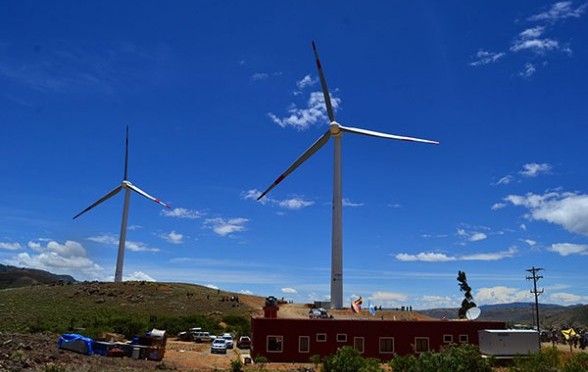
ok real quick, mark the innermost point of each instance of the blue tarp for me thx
(75, 342)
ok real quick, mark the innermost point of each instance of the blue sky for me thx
(220, 98)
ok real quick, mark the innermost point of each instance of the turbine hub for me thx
(335, 129)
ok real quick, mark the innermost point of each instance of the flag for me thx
(372, 309)
(568, 333)
(356, 305)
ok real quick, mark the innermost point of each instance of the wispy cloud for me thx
(10, 246)
(224, 227)
(130, 245)
(442, 257)
(173, 237)
(529, 170)
(289, 291)
(306, 81)
(302, 118)
(566, 249)
(349, 203)
(471, 236)
(528, 70)
(183, 213)
(258, 76)
(294, 203)
(558, 11)
(569, 210)
(484, 57)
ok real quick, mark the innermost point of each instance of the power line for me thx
(534, 270)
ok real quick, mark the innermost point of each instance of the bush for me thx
(546, 360)
(462, 358)
(236, 365)
(348, 359)
(578, 362)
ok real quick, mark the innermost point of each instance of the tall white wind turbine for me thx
(128, 186)
(336, 130)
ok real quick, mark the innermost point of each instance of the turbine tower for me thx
(336, 131)
(128, 186)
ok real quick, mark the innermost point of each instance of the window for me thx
(275, 344)
(321, 337)
(386, 345)
(341, 337)
(463, 339)
(448, 339)
(421, 344)
(303, 344)
(358, 344)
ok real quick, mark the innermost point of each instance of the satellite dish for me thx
(473, 313)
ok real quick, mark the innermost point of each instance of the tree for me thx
(468, 301)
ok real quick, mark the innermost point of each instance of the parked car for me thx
(227, 337)
(219, 345)
(244, 342)
(201, 336)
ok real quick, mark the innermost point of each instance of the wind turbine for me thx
(128, 186)
(336, 131)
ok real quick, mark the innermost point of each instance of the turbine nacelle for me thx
(335, 129)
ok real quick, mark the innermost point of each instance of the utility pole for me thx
(534, 270)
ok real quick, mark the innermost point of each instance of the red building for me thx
(296, 340)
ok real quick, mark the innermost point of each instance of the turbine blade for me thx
(330, 111)
(126, 154)
(105, 197)
(141, 192)
(308, 153)
(385, 135)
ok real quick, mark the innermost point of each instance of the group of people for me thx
(574, 337)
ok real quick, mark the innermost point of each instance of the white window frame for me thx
(422, 338)
(380, 345)
(464, 339)
(447, 339)
(341, 337)
(321, 335)
(300, 344)
(267, 341)
(355, 344)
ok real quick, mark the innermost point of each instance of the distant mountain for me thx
(523, 313)
(15, 277)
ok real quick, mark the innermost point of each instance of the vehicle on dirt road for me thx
(219, 345)
(244, 342)
(229, 339)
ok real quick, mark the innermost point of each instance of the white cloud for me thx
(497, 206)
(442, 257)
(211, 286)
(259, 76)
(182, 213)
(173, 237)
(10, 246)
(307, 81)
(426, 257)
(138, 276)
(529, 242)
(484, 57)
(295, 203)
(502, 295)
(534, 169)
(388, 296)
(130, 245)
(559, 10)
(532, 33)
(566, 249)
(538, 46)
(567, 298)
(431, 302)
(302, 118)
(569, 210)
(349, 203)
(528, 71)
(477, 237)
(68, 258)
(505, 180)
(289, 291)
(224, 227)
(246, 292)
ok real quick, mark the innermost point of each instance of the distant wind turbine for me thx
(336, 131)
(128, 186)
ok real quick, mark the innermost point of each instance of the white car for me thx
(229, 339)
(219, 345)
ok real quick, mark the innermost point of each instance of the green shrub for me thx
(578, 362)
(348, 359)
(547, 360)
(236, 365)
(462, 358)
